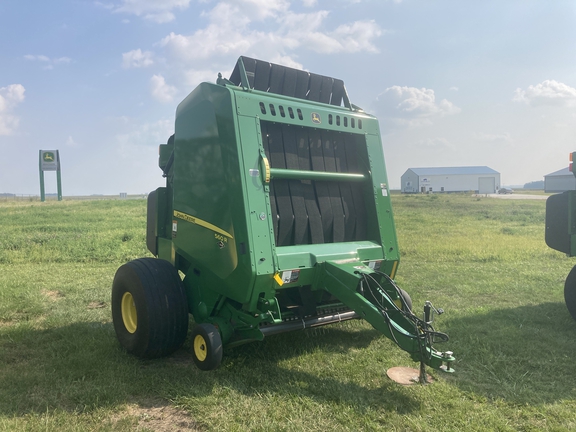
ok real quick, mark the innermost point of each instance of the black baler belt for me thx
(326, 90)
(301, 232)
(352, 145)
(287, 81)
(289, 86)
(338, 227)
(314, 88)
(276, 79)
(302, 82)
(262, 76)
(250, 67)
(346, 192)
(322, 192)
(281, 189)
(304, 163)
(337, 92)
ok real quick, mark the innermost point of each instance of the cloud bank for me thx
(548, 92)
(413, 107)
(10, 97)
(159, 11)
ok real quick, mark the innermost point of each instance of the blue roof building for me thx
(560, 181)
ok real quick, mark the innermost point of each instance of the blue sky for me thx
(453, 83)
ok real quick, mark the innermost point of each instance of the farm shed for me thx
(560, 181)
(480, 179)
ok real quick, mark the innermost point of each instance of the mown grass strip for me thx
(483, 260)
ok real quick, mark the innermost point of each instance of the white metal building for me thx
(479, 179)
(560, 181)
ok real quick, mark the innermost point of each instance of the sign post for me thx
(50, 161)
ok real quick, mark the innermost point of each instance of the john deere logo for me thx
(48, 157)
(316, 118)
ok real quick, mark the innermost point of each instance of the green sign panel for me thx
(50, 161)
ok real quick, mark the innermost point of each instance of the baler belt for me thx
(301, 232)
(281, 189)
(351, 143)
(314, 212)
(273, 78)
(304, 163)
(328, 139)
(346, 192)
(322, 192)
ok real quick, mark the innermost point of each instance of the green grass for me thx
(482, 260)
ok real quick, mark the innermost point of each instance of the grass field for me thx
(482, 260)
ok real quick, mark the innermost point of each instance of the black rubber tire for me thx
(206, 346)
(161, 307)
(570, 292)
(407, 303)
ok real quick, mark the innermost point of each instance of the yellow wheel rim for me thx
(200, 349)
(129, 315)
(398, 303)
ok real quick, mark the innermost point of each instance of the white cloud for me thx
(309, 3)
(130, 143)
(231, 31)
(160, 90)
(193, 77)
(286, 61)
(10, 96)
(70, 142)
(494, 138)
(262, 9)
(159, 11)
(357, 36)
(410, 106)
(548, 92)
(47, 61)
(137, 59)
(437, 143)
(37, 57)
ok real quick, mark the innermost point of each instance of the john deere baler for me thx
(276, 212)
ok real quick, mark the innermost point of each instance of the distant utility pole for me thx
(50, 161)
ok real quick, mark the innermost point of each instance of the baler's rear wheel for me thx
(570, 292)
(206, 346)
(149, 308)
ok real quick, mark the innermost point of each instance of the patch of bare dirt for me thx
(96, 305)
(53, 294)
(159, 416)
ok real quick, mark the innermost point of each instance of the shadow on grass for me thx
(81, 367)
(522, 355)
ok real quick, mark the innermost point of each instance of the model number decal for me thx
(202, 223)
(221, 238)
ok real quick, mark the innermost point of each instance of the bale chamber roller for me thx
(277, 212)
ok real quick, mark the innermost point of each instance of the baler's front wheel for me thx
(570, 292)
(206, 346)
(405, 303)
(149, 308)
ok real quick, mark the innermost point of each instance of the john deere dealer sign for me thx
(49, 160)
